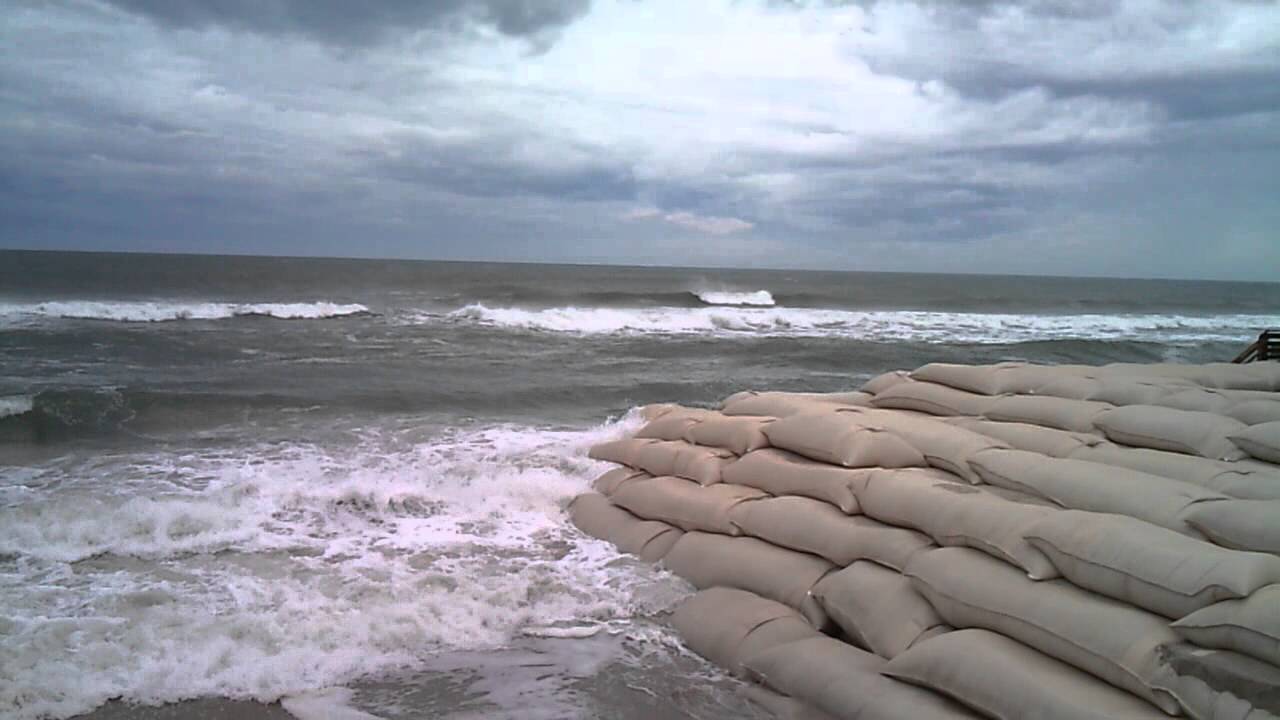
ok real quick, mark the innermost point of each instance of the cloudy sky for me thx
(1098, 137)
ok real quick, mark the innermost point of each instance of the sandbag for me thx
(1136, 391)
(1247, 625)
(1256, 412)
(931, 398)
(981, 379)
(716, 623)
(653, 411)
(739, 434)
(673, 424)
(812, 526)
(884, 381)
(707, 560)
(703, 465)
(594, 515)
(608, 483)
(779, 472)
(684, 503)
(1060, 413)
(1236, 479)
(781, 707)
(622, 451)
(1221, 685)
(1148, 566)
(1003, 679)
(1182, 431)
(845, 682)
(784, 404)
(839, 439)
(1032, 438)
(943, 445)
(1209, 399)
(1080, 485)
(879, 609)
(958, 514)
(1261, 441)
(1240, 524)
(1105, 638)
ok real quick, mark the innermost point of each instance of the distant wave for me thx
(759, 298)
(888, 326)
(131, 311)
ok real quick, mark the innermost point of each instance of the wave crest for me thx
(141, 311)
(876, 326)
(757, 298)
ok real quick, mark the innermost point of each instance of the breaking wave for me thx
(263, 572)
(11, 405)
(887, 326)
(141, 311)
(759, 298)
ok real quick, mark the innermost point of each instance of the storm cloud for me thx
(1121, 137)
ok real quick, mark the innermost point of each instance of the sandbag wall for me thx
(1005, 541)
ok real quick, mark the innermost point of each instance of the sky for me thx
(1135, 138)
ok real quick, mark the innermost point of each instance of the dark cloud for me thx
(359, 23)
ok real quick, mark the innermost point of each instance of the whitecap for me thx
(15, 405)
(164, 311)
(757, 298)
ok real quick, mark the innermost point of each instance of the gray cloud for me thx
(359, 23)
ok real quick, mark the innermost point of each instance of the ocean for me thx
(339, 484)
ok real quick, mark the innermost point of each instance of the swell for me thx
(168, 311)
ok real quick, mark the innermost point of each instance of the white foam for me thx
(15, 404)
(140, 311)
(272, 573)
(758, 298)
(887, 325)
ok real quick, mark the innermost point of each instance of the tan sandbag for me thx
(1261, 441)
(781, 707)
(879, 609)
(1256, 412)
(708, 560)
(840, 439)
(779, 472)
(1148, 566)
(740, 434)
(1221, 685)
(1209, 399)
(981, 379)
(817, 528)
(1257, 376)
(846, 683)
(1137, 391)
(1105, 638)
(1235, 479)
(1003, 679)
(673, 424)
(594, 515)
(1240, 524)
(1247, 625)
(784, 404)
(931, 398)
(884, 381)
(1182, 431)
(717, 621)
(955, 513)
(1060, 413)
(684, 503)
(608, 483)
(703, 465)
(653, 411)
(622, 451)
(1032, 438)
(1081, 485)
(943, 445)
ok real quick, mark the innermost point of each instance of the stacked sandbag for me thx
(999, 541)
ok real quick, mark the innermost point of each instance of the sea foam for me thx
(270, 573)
(15, 405)
(162, 311)
(887, 326)
(758, 298)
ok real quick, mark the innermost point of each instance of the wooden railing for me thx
(1266, 347)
